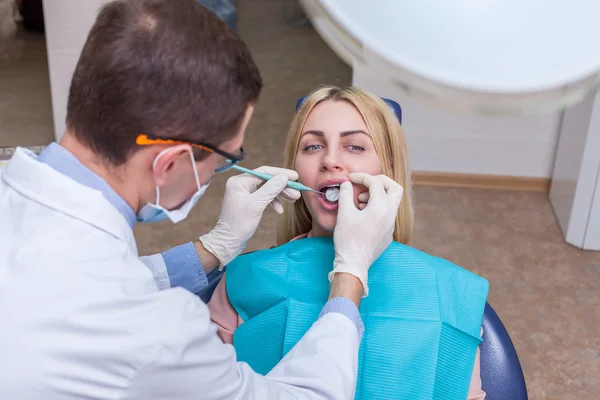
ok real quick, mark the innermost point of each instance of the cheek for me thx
(307, 173)
(204, 177)
(369, 164)
(205, 171)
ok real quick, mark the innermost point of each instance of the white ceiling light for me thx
(494, 57)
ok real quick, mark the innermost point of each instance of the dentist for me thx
(159, 102)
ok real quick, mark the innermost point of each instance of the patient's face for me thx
(334, 142)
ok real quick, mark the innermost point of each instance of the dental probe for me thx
(266, 177)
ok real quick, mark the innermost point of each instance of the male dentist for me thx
(159, 103)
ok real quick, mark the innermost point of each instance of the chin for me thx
(326, 221)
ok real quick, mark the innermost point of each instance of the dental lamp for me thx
(480, 57)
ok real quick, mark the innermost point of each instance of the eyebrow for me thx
(342, 134)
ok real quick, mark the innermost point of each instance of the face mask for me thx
(156, 213)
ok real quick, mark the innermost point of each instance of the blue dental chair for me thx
(501, 374)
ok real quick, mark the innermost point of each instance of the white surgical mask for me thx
(156, 213)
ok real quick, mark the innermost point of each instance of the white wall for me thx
(439, 141)
(67, 23)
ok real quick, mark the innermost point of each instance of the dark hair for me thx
(164, 67)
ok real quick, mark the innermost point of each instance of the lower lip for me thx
(327, 206)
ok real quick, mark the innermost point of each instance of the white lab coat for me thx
(82, 317)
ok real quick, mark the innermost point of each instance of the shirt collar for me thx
(67, 164)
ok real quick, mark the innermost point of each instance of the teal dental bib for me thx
(422, 316)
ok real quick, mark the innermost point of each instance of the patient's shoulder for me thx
(302, 236)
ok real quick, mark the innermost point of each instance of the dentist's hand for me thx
(246, 198)
(361, 236)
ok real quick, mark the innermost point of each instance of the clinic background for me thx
(544, 290)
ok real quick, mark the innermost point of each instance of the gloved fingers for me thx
(361, 178)
(245, 183)
(250, 183)
(290, 195)
(363, 200)
(276, 206)
(379, 185)
(392, 188)
(373, 183)
(270, 190)
(346, 199)
(286, 199)
(363, 197)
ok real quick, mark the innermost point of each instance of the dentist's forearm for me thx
(348, 286)
(209, 261)
(344, 298)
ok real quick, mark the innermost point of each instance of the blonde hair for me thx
(388, 141)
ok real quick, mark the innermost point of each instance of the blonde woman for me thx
(335, 132)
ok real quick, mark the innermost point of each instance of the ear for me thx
(166, 161)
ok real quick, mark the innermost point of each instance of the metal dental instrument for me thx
(266, 177)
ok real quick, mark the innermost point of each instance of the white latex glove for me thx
(361, 236)
(363, 200)
(246, 198)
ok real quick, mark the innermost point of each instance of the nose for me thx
(332, 160)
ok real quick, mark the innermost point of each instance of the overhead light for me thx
(484, 57)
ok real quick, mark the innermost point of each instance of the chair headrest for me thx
(395, 106)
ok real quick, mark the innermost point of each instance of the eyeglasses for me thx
(230, 159)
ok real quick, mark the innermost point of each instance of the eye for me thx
(356, 148)
(312, 147)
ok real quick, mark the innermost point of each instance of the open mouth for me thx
(330, 188)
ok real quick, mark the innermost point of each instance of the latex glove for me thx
(363, 200)
(246, 198)
(360, 236)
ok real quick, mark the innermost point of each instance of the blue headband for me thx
(395, 107)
